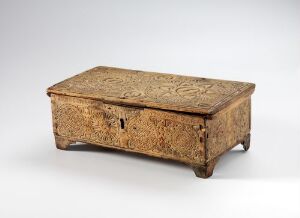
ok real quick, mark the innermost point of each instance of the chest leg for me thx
(205, 171)
(62, 143)
(246, 142)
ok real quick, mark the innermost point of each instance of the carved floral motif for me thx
(165, 90)
(209, 116)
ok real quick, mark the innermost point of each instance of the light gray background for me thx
(43, 42)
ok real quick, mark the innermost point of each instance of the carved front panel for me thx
(228, 128)
(154, 132)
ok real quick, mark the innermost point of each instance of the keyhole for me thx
(122, 123)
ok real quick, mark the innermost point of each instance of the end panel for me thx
(228, 127)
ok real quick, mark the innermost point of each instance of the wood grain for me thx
(155, 90)
(187, 119)
(157, 133)
(228, 128)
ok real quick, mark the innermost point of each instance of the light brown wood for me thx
(154, 90)
(228, 128)
(205, 170)
(63, 143)
(246, 142)
(188, 119)
(158, 133)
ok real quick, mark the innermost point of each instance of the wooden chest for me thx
(188, 119)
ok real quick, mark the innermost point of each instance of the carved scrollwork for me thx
(167, 90)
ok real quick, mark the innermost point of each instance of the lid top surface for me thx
(155, 90)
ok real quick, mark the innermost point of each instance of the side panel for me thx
(228, 128)
(154, 132)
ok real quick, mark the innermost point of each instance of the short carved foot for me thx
(62, 142)
(205, 171)
(246, 142)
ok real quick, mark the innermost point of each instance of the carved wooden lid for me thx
(155, 90)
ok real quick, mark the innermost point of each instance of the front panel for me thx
(154, 132)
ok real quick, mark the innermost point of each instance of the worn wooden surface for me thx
(110, 107)
(157, 133)
(228, 128)
(155, 90)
